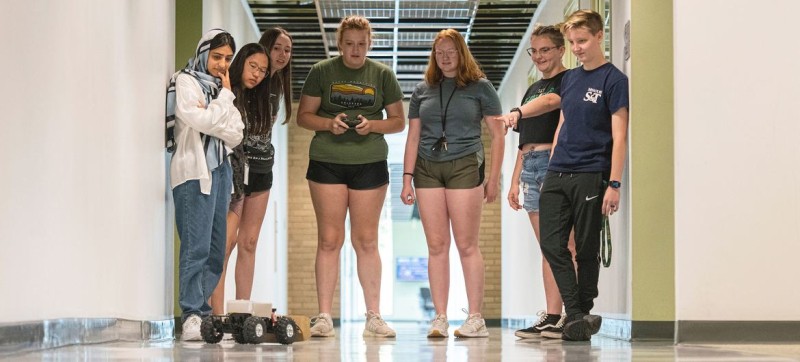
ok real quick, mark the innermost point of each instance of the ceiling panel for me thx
(403, 31)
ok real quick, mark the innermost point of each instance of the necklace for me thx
(441, 143)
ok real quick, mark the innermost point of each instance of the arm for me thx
(513, 192)
(307, 117)
(394, 122)
(220, 118)
(410, 160)
(496, 131)
(619, 135)
(536, 107)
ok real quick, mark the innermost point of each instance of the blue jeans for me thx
(202, 228)
(534, 167)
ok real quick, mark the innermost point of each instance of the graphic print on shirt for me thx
(352, 95)
(592, 95)
(540, 92)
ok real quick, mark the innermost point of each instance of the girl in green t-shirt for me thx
(343, 100)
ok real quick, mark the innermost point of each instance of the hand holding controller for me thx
(351, 123)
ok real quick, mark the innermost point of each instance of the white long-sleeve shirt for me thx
(220, 119)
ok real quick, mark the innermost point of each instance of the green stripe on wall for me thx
(188, 30)
(652, 162)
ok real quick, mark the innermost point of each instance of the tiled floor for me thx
(411, 345)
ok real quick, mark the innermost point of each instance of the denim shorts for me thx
(534, 168)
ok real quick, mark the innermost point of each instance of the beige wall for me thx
(736, 161)
(302, 248)
(83, 217)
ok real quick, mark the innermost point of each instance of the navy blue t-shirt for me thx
(588, 99)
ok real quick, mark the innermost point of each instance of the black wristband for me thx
(408, 173)
(516, 109)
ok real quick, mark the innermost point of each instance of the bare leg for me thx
(330, 207)
(465, 212)
(436, 223)
(255, 206)
(217, 299)
(365, 212)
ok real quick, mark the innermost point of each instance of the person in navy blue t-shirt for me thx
(582, 182)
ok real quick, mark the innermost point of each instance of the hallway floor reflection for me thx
(412, 345)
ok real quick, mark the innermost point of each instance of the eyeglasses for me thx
(254, 68)
(541, 51)
(449, 53)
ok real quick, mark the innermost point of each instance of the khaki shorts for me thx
(463, 173)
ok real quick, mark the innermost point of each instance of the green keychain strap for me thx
(605, 243)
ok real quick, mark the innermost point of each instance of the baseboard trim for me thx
(737, 331)
(38, 335)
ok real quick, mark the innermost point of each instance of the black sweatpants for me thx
(573, 200)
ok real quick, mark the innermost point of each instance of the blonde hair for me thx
(353, 22)
(552, 32)
(468, 69)
(588, 19)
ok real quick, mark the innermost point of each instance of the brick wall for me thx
(302, 236)
(489, 240)
(302, 233)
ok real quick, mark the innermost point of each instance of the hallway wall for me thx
(83, 219)
(736, 161)
(523, 294)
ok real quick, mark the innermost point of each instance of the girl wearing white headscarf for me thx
(206, 126)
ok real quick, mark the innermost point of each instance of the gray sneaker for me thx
(191, 329)
(322, 326)
(595, 321)
(473, 327)
(377, 327)
(439, 327)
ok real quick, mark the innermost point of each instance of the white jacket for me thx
(220, 119)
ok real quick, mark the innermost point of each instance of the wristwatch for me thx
(615, 184)
(516, 109)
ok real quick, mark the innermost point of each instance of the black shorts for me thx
(364, 176)
(258, 182)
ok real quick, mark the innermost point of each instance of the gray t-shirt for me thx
(466, 108)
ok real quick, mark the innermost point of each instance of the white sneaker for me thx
(439, 327)
(473, 327)
(191, 329)
(377, 327)
(322, 326)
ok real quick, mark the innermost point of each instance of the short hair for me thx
(468, 69)
(353, 22)
(588, 19)
(552, 32)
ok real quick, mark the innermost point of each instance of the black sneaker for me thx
(554, 332)
(595, 321)
(577, 329)
(545, 322)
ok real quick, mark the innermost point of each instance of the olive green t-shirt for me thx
(365, 91)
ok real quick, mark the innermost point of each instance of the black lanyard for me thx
(441, 144)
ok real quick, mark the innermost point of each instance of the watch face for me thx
(614, 184)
